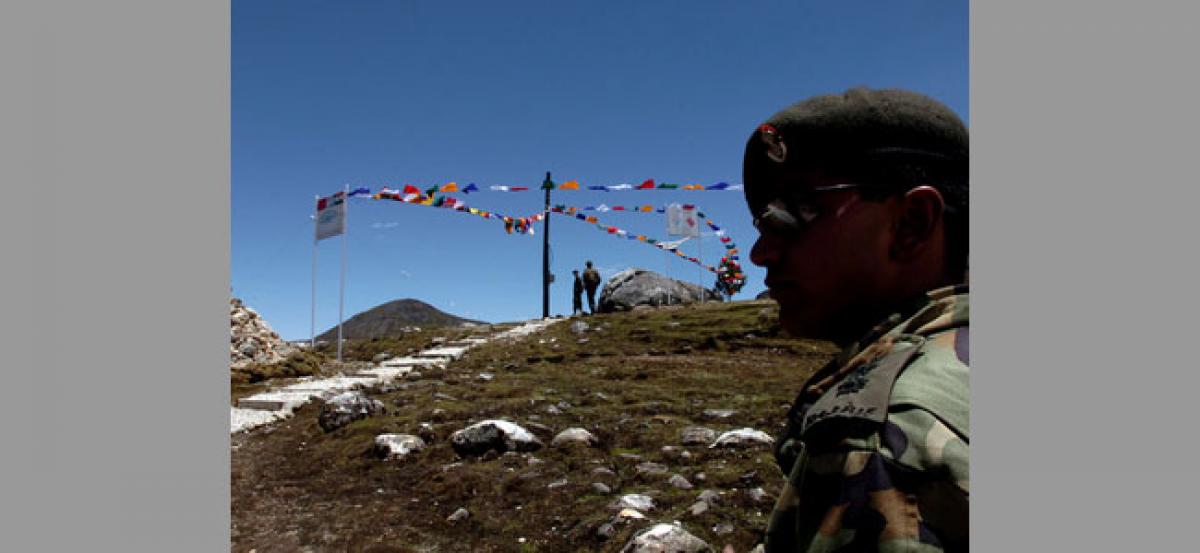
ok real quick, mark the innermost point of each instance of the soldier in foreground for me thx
(860, 200)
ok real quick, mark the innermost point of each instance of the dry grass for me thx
(637, 380)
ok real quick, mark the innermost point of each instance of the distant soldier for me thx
(860, 200)
(591, 280)
(577, 295)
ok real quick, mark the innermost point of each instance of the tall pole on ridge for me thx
(547, 185)
(342, 286)
(312, 322)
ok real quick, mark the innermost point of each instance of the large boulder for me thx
(499, 435)
(346, 408)
(633, 287)
(663, 538)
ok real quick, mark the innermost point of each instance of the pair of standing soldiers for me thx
(590, 282)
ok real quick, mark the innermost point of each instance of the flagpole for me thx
(700, 265)
(342, 283)
(312, 321)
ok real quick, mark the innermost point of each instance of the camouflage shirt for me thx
(876, 445)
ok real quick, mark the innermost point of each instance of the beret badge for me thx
(776, 149)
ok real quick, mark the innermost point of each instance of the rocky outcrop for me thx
(633, 287)
(251, 339)
(346, 408)
(498, 435)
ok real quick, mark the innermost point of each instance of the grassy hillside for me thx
(633, 379)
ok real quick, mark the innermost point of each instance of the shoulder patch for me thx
(862, 396)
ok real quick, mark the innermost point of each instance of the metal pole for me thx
(312, 326)
(342, 285)
(547, 185)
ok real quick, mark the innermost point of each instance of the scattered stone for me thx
(719, 413)
(709, 496)
(633, 501)
(679, 482)
(460, 514)
(700, 477)
(723, 528)
(413, 375)
(346, 408)
(426, 432)
(557, 484)
(650, 469)
(601, 488)
(750, 478)
(631, 514)
(579, 327)
(698, 508)
(675, 453)
(510, 366)
(697, 435)
(630, 456)
(603, 471)
(743, 438)
(381, 357)
(758, 495)
(552, 410)
(533, 461)
(666, 537)
(606, 531)
(564, 405)
(440, 395)
(493, 435)
(583, 341)
(600, 396)
(575, 436)
(486, 377)
(396, 446)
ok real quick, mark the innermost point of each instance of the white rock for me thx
(743, 438)
(395, 446)
(575, 436)
(662, 538)
(495, 434)
(634, 501)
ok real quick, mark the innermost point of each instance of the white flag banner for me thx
(682, 220)
(673, 245)
(331, 216)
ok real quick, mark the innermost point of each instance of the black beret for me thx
(848, 133)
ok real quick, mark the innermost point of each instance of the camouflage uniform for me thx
(876, 445)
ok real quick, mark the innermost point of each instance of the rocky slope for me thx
(637, 431)
(251, 339)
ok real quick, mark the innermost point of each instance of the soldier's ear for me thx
(919, 215)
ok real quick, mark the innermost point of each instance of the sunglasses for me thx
(793, 215)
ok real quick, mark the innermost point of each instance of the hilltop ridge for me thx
(393, 319)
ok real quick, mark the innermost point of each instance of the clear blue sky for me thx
(386, 93)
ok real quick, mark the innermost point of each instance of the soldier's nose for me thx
(765, 251)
